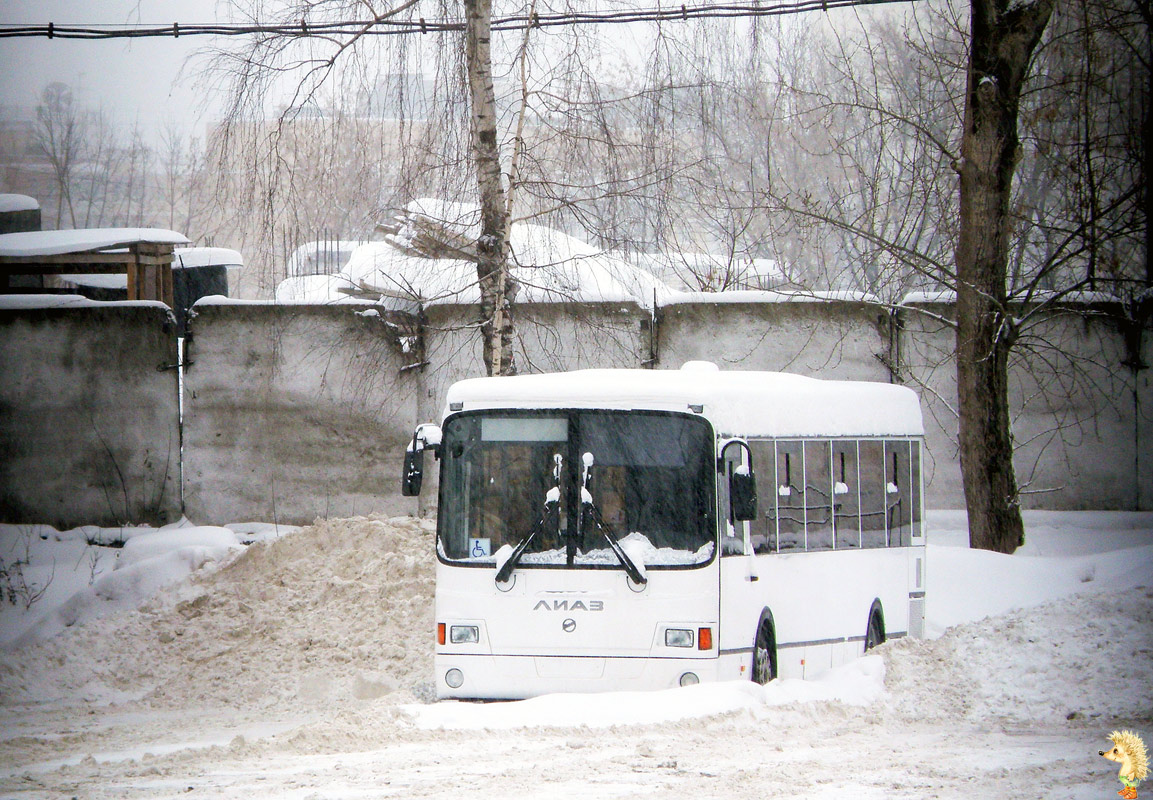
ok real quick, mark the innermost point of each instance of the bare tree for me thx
(325, 69)
(885, 121)
(59, 132)
(492, 247)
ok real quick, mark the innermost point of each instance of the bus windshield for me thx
(646, 480)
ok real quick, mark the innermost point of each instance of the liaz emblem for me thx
(569, 605)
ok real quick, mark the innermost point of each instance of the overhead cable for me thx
(396, 27)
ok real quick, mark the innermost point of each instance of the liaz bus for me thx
(636, 529)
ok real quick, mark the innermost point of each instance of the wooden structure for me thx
(143, 254)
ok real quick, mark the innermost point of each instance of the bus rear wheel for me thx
(764, 654)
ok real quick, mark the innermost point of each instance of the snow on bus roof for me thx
(737, 403)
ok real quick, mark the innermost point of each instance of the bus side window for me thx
(915, 487)
(846, 495)
(764, 528)
(871, 463)
(898, 500)
(790, 492)
(818, 496)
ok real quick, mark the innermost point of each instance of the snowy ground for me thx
(186, 664)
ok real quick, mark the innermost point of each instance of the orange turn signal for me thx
(705, 639)
(440, 633)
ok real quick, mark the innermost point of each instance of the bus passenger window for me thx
(915, 487)
(871, 464)
(818, 497)
(790, 492)
(764, 529)
(846, 500)
(898, 501)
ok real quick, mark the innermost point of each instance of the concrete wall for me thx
(89, 429)
(551, 337)
(298, 412)
(1081, 418)
(294, 412)
(844, 340)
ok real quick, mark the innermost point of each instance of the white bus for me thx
(633, 529)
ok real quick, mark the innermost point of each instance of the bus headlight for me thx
(678, 637)
(455, 678)
(464, 634)
(690, 679)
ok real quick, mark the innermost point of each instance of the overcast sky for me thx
(134, 79)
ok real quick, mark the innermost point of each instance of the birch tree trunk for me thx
(1004, 34)
(496, 285)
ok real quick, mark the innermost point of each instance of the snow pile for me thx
(1080, 657)
(91, 572)
(338, 611)
(339, 614)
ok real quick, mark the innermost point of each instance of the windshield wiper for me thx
(551, 507)
(594, 513)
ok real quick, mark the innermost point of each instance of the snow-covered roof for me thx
(314, 289)
(687, 267)
(549, 267)
(83, 240)
(206, 257)
(17, 202)
(751, 404)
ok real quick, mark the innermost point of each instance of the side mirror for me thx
(743, 496)
(424, 437)
(413, 475)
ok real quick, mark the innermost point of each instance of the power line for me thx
(397, 27)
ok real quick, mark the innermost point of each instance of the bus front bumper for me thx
(488, 677)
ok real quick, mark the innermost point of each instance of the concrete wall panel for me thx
(839, 340)
(89, 429)
(295, 412)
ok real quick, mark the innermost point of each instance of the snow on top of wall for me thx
(17, 202)
(221, 300)
(9, 302)
(949, 297)
(738, 403)
(769, 296)
(84, 240)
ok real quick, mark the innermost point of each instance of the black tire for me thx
(764, 654)
(875, 634)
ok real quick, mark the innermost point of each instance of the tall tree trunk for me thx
(496, 285)
(1004, 35)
